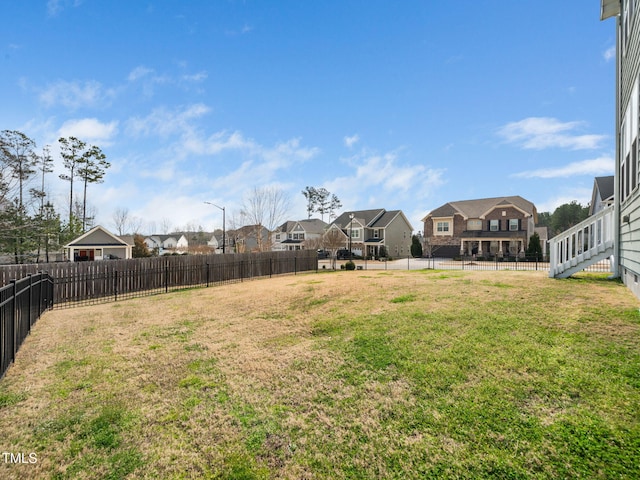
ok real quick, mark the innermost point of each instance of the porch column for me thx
(479, 247)
(461, 247)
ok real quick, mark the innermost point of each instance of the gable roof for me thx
(365, 217)
(480, 207)
(98, 236)
(605, 186)
(313, 225)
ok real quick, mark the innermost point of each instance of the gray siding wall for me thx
(398, 238)
(629, 254)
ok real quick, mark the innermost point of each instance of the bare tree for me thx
(120, 219)
(266, 207)
(165, 226)
(333, 240)
(135, 225)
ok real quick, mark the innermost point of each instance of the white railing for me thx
(587, 243)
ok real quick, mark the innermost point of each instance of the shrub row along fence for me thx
(21, 304)
(97, 282)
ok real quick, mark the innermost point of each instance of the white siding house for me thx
(626, 14)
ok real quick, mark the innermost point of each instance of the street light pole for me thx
(350, 235)
(224, 237)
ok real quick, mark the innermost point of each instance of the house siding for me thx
(629, 203)
(397, 237)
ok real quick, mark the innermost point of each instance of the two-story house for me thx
(626, 195)
(374, 233)
(167, 244)
(298, 235)
(485, 227)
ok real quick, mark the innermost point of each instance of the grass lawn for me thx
(395, 374)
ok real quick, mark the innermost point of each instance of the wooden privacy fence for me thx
(109, 280)
(21, 304)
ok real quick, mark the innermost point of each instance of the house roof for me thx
(128, 239)
(478, 208)
(603, 191)
(98, 236)
(609, 8)
(310, 225)
(313, 225)
(377, 218)
(365, 217)
(605, 186)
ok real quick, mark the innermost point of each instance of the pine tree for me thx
(534, 249)
(416, 247)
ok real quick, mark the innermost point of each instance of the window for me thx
(494, 225)
(376, 233)
(443, 227)
(474, 225)
(355, 233)
(514, 224)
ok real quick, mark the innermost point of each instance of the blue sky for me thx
(397, 105)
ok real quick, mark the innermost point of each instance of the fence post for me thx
(166, 278)
(14, 291)
(115, 285)
(270, 267)
(207, 274)
(295, 265)
(30, 300)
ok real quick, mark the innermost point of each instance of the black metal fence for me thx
(530, 263)
(21, 304)
(97, 282)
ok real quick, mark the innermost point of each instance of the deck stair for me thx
(583, 245)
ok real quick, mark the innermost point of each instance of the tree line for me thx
(564, 217)
(30, 225)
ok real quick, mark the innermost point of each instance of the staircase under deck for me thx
(583, 245)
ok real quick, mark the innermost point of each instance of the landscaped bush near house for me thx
(350, 265)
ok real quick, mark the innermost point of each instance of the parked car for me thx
(343, 254)
(322, 254)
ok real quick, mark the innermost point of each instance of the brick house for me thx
(485, 227)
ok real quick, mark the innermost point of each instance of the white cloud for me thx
(90, 130)
(352, 140)
(196, 77)
(610, 53)
(385, 180)
(245, 29)
(597, 166)
(74, 95)
(162, 122)
(539, 133)
(54, 7)
(138, 73)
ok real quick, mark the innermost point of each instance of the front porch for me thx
(499, 247)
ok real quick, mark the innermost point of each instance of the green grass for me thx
(427, 375)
